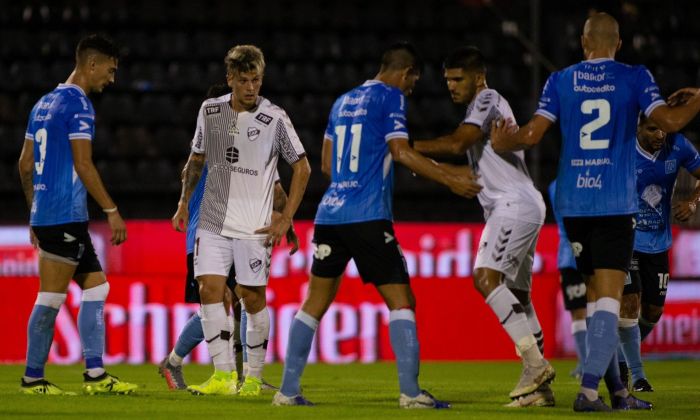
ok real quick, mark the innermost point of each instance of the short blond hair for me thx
(244, 59)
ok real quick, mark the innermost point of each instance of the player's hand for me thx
(293, 240)
(684, 210)
(500, 130)
(181, 218)
(277, 229)
(118, 227)
(462, 180)
(681, 96)
(32, 239)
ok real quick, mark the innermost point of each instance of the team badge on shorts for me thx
(255, 264)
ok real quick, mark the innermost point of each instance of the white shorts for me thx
(508, 246)
(214, 254)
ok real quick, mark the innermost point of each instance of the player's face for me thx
(651, 136)
(245, 87)
(102, 72)
(461, 84)
(408, 83)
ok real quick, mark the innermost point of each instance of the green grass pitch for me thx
(476, 390)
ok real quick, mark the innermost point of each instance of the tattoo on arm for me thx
(190, 175)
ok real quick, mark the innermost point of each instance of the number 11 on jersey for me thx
(356, 133)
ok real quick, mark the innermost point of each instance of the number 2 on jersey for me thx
(40, 137)
(356, 132)
(586, 132)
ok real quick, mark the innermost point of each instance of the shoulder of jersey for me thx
(267, 111)
(485, 99)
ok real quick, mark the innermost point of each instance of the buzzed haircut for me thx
(244, 59)
(98, 43)
(400, 56)
(602, 30)
(468, 58)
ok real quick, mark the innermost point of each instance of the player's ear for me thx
(229, 79)
(619, 45)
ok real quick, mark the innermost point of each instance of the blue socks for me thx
(91, 326)
(578, 330)
(404, 342)
(630, 345)
(301, 335)
(190, 336)
(602, 341)
(40, 332)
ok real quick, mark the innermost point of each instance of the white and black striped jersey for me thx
(241, 149)
(508, 188)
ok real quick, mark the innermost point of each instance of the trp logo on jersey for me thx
(212, 109)
(264, 118)
(253, 133)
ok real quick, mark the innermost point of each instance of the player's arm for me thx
(459, 179)
(279, 202)
(85, 168)
(454, 144)
(191, 174)
(673, 118)
(506, 136)
(684, 210)
(26, 170)
(326, 157)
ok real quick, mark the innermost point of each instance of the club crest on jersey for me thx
(670, 166)
(264, 118)
(255, 264)
(253, 133)
(212, 109)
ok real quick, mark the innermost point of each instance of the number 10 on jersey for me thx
(356, 133)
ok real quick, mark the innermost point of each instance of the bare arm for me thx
(460, 180)
(326, 158)
(505, 136)
(684, 210)
(673, 118)
(26, 170)
(455, 144)
(84, 167)
(278, 203)
(191, 174)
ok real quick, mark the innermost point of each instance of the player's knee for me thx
(484, 283)
(629, 306)
(50, 299)
(254, 299)
(97, 293)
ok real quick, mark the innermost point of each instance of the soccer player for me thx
(659, 158)
(598, 101)
(514, 213)
(239, 137)
(573, 286)
(366, 132)
(57, 171)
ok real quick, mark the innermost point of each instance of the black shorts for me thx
(650, 274)
(192, 285)
(69, 243)
(573, 288)
(372, 245)
(601, 242)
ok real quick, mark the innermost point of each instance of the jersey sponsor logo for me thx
(232, 154)
(322, 251)
(255, 264)
(212, 109)
(83, 126)
(40, 118)
(333, 201)
(40, 187)
(670, 166)
(587, 181)
(264, 118)
(90, 116)
(360, 112)
(576, 162)
(253, 133)
(576, 248)
(575, 291)
(85, 104)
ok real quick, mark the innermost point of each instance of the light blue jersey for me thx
(565, 255)
(656, 177)
(598, 104)
(61, 116)
(193, 209)
(361, 124)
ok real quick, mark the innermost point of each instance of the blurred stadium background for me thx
(314, 50)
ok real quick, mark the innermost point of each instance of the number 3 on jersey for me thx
(40, 138)
(586, 132)
(356, 132)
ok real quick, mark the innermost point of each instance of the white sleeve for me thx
(478, 114)
(287, 141)
(198, 139)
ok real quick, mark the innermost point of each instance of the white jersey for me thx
(241, 150)
(508, 189)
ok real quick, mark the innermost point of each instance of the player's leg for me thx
(330, 259)
(213, 257)
(574, 294)
(191, 335)
(629, 350)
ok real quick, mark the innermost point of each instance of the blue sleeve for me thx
(29, 134)
(80, 121)
(648, 94)
(329, 133)
(690, 159)
(548, 105)
(395, 110)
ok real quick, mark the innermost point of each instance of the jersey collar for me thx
(599, 60)
(372, 82)
(650, 156)
(69, 86)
